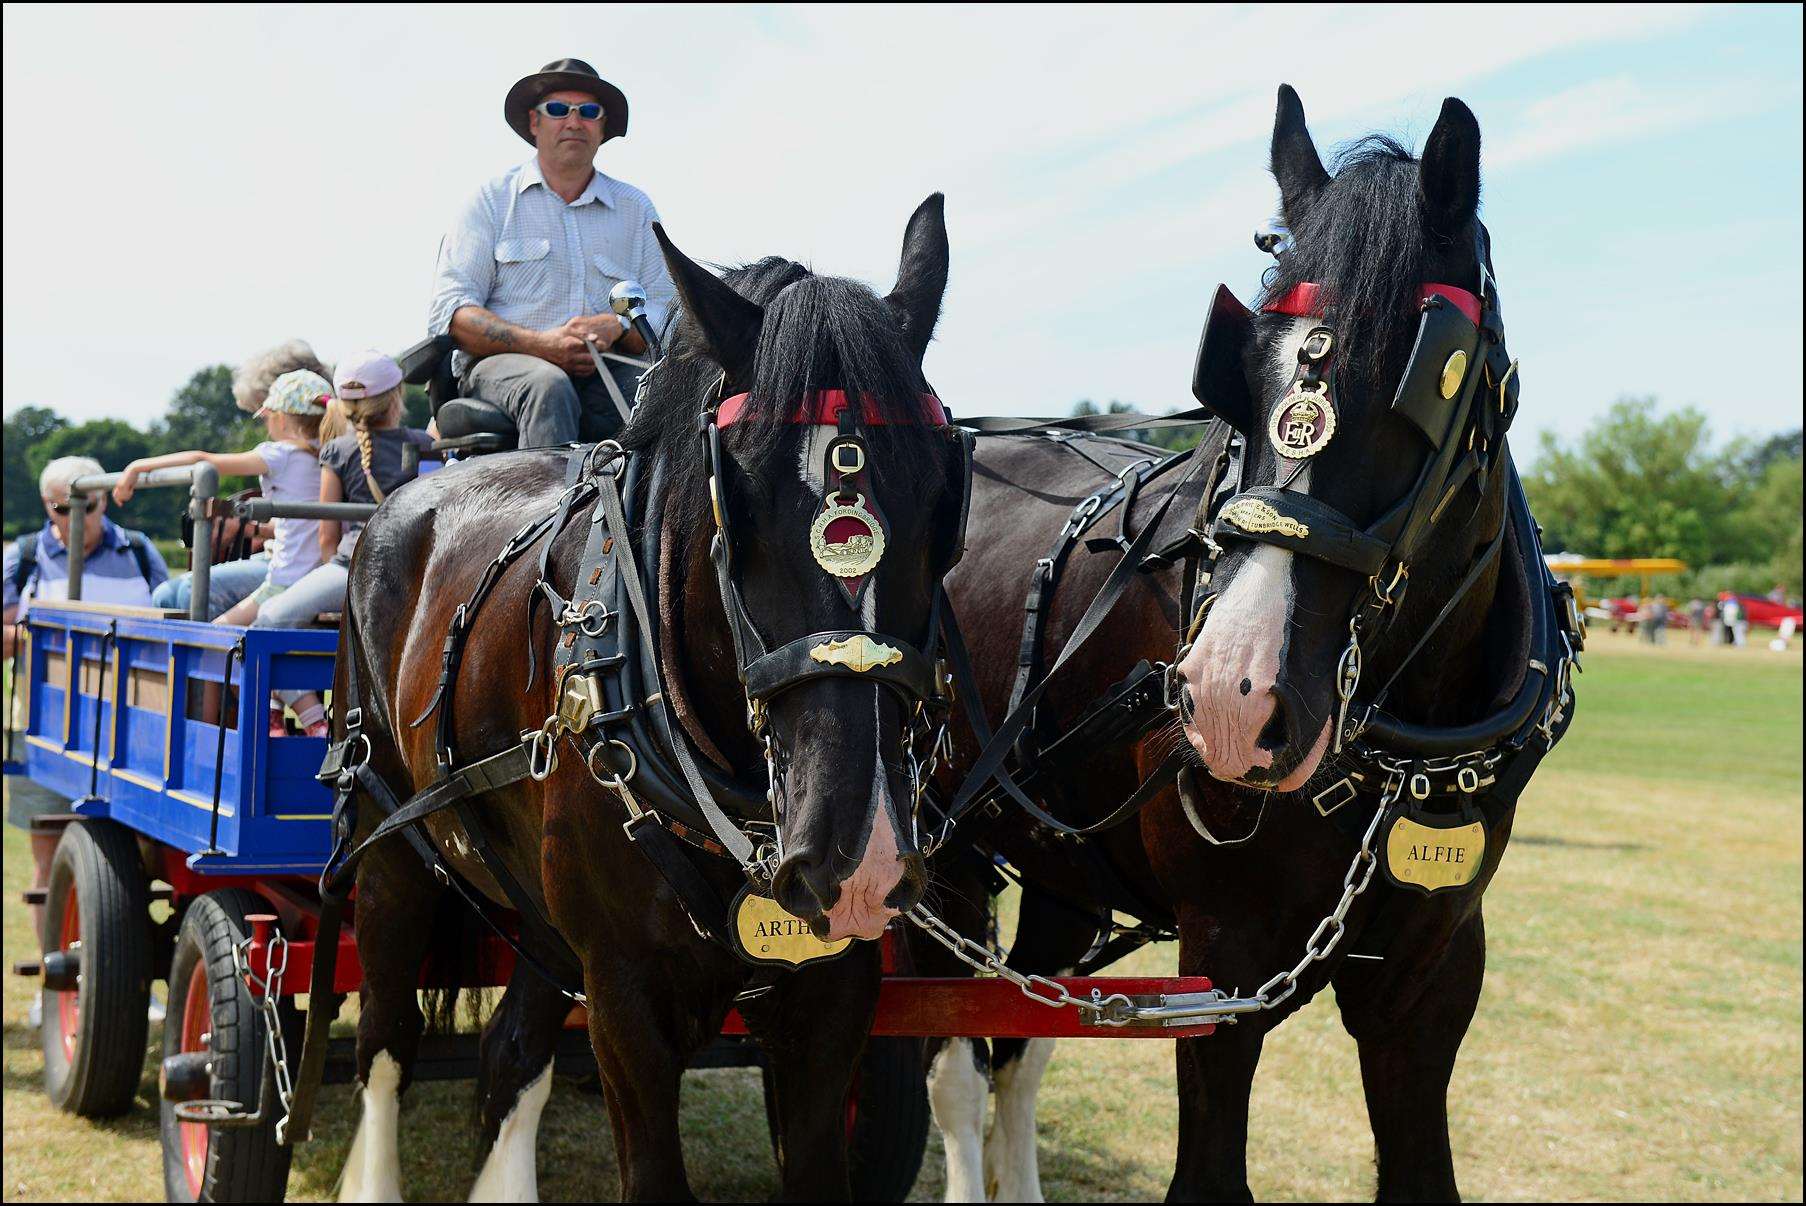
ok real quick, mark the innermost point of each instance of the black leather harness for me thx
(613, 706)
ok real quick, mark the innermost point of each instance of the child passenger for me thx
(363, 460)
(288, 466)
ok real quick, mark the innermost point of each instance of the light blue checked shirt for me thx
(520, 252)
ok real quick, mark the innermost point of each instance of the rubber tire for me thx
(890, 1121)
(98, 861)
(243, 1164)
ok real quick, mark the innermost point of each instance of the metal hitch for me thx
(63, 970)
(185, 1077)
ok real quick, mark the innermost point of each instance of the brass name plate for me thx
(768, 933)
(1253, 515)
(1428, 858)
(858, 654)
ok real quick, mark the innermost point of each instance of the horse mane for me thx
(1363, 238)
(820, 332)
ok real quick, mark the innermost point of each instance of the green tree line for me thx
(201, 414)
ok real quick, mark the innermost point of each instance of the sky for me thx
(186, 186)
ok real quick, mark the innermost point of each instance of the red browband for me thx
(1308, 300)
(824, 407)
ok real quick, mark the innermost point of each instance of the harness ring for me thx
(621, 778)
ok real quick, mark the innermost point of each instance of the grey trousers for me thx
(548, 406)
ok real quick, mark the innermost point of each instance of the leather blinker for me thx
(1218, 379)
(1446, 351)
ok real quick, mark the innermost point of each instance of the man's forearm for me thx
(481, 333)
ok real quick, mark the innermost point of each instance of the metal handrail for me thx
(202, 480)
(262, 510)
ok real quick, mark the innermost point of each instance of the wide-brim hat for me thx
(558, 76)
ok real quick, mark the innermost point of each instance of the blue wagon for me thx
(157, 728)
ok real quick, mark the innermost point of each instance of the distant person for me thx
(363, 459)
(229, 582)
(1778, 595)
(1730, 614)
(119, 565)
(1658, 620)
(525, 273)
(1696, 620)
(288, 467)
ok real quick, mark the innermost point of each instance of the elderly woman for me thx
(119, 566)
(232, 582)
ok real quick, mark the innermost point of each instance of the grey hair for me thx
(64, 469)
(252, 380)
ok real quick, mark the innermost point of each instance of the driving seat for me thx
(466, 425)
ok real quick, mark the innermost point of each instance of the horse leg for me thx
(812, 1025)
(396, 901)
(645, 1026)
(958, 1092)
(1051, 937)
(1012, 1166)
(1216, 1077)
(514, 1079)
(1407, 1055)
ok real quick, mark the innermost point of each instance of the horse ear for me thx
(729, 323)
(922, 276)
(1296, 165)
(1448, 178)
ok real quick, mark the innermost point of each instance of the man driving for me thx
(524, 274)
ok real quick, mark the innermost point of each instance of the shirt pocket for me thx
(522, 270)
(604, 274)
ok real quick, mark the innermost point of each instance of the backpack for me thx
(27, 546)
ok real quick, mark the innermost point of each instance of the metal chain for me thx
(1329, 931)
(265, 993)
(1036, 988)
(1119, 1010)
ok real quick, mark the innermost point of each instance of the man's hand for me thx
(568, 346)
(605, 328)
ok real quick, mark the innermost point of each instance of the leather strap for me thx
(1303, 524)
(792, 664)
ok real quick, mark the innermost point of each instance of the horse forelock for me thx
(820, 332)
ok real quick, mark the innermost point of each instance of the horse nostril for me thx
(911, 887)
(1273, 736)
(801, 886)
(1187, 705)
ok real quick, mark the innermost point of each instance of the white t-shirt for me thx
(294, 476)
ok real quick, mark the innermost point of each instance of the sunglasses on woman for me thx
(558, 110)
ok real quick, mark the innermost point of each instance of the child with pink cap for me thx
(365, 458)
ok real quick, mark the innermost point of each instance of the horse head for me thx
(1336, 454)
(814, 552)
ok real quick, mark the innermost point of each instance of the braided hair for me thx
(362, 416)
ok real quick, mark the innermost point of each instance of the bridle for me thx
(1459, 391)
(914, 672)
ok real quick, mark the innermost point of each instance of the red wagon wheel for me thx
(97, 975)
(214, 1048)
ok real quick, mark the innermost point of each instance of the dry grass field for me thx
(1639, 1037)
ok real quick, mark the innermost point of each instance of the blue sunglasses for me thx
(558, 110)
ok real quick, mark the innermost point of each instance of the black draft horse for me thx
(656, 991)
(1261, 674)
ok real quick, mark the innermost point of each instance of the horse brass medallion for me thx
(846, 539)
(858, 654)
(767, 933)
(1303, 424)
(1453, 373)
(1430, 858)
(1253, 515)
